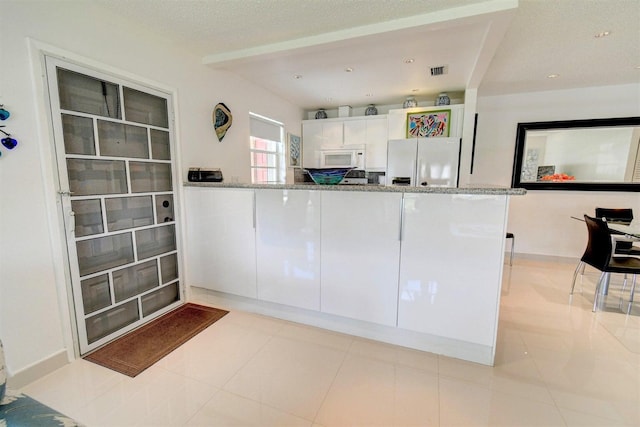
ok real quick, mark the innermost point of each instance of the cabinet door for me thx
(332, 134)
(360, 255)
(221, 240)
(376, 141)
(311, 143)
(451, 265)
(288, 247)
(355, 132)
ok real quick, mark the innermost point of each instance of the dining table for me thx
(628, 229)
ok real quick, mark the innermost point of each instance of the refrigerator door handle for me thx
(416, 171)
(401, 218)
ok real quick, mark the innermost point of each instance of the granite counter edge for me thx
(365, 188)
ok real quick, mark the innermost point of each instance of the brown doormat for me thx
(141, 348)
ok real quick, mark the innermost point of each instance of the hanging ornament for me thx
(4, 114)
(8, 142)
(222, 120)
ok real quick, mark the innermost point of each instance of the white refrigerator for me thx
(423, 162)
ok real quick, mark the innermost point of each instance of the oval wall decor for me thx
(221, 120)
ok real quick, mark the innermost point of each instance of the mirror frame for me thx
(568, 124)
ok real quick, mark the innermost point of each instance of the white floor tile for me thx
(395, 354)
(227, 409)
(371, 392)
(557, 364)
(466, 404)
(218, 353)
(289, 375)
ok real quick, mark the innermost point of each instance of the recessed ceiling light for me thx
(409, 61)
(297, 76)
(602, 34)
(348, 69)
(553, 76)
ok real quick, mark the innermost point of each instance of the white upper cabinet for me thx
(344, 133)
(355, 132)
(332, 134)
(288, 247)
(360, 255)
(221, 243)
(376, 144)
(318, 135)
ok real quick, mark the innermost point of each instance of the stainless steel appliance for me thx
(355, 177)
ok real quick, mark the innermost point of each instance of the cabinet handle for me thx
(65, 193)
(254, 209)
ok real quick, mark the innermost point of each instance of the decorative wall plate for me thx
(222, 120)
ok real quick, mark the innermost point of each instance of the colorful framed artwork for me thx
(427, 124)
(294, 150)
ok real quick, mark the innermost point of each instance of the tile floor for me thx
(557, 365)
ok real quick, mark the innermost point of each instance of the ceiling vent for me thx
(440, 70)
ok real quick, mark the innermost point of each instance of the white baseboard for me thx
(430, 343)
(38, 370)
(539, 257)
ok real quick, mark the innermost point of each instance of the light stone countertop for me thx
(488, 190)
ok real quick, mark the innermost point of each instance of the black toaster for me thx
(204, 175)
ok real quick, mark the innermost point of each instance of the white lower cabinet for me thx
(288, 247)
(360, 255)
(221, 248)
(451, 266)
(429, 265)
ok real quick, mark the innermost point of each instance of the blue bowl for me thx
(328, 176)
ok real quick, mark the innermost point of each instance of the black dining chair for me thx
(599, 254)
(624, 215)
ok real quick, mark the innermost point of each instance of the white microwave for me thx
(342, 158)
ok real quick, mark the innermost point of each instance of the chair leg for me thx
(624, 283)
(575, 274)
(624, 286)
(513, 244)
(595, 297)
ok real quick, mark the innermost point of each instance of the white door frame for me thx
(37, 52)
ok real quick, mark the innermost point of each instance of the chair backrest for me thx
(598, 251)
(624, 215)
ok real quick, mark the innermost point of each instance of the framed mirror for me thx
(591, 155)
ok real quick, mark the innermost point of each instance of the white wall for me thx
(541, 219)
(34, 319)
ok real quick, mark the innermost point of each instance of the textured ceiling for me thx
(217, 26)
(268, 41)
(558, 37)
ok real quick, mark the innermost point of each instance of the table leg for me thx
(604, 288)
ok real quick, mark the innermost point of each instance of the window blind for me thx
(264, 129)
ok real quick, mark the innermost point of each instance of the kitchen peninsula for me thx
(416, 267)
